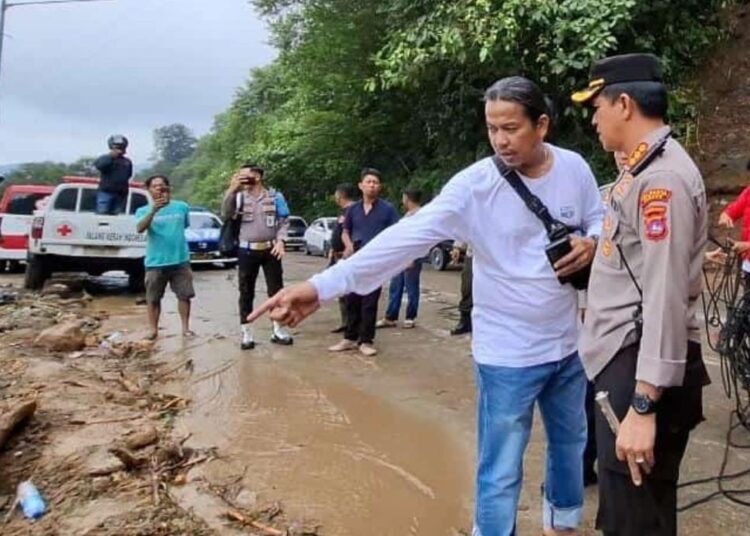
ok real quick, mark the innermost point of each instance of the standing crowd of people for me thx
(533, 229)
(539, 232)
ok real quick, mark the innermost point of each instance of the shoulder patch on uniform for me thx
(655, 221)
(655, 194)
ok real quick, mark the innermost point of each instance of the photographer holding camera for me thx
(525, 324)
(263, 215)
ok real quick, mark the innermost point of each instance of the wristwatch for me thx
(642, 404)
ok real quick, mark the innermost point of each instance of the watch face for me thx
(641, 403)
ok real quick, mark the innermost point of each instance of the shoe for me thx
(409, 324)
(385, 323)
(248, 343)
(281, 335)
(340, 329)
(463, 326)
(343, 346)
(367, 350)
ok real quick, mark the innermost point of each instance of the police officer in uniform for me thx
(264, 224)
(641, 339)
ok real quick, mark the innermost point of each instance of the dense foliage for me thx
(397, 84)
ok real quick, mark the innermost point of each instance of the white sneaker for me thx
(343, 346)
(281, 335)
(385, 323)
(367, 350)
(409, 324)
(248, 342)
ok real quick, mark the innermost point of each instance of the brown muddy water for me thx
(356, 444)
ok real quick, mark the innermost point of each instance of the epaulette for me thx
(644, 155)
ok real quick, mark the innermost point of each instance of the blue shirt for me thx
(364, 227)
(166, 244)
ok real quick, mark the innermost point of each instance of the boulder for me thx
(64, 337)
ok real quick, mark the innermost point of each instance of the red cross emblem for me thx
(64, 230)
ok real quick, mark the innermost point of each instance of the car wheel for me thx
(230, 265)
(307, 249)
(36, 274)
(438, 258)
(15, 267)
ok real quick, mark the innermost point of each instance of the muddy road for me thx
(364, 446)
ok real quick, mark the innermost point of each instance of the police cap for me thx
(617, 70)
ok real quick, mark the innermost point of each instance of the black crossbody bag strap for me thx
(534, 204)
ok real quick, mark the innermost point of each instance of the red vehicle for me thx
(17, 206)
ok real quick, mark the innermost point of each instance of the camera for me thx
(557, 249)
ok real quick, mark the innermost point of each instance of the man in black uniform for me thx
(116, 170)
(344, 197)
(641, 337)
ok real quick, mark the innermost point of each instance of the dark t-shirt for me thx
(115, 172)
(364, 227)
(337, 243)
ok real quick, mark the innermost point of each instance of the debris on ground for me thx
(82, 414)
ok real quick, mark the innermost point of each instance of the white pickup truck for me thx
(68, 236)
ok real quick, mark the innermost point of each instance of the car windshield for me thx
(296, 223)
(203, 221)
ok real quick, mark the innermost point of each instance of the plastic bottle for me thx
(30, 500)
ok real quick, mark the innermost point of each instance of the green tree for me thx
(397, 84)
(173, 143)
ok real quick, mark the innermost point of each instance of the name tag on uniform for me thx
(270, 220)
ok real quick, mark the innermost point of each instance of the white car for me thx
(68, 236)
(318, 236)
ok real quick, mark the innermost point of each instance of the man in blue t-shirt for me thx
(167, 255)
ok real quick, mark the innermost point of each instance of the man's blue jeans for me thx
(408, 279)
(505, 404)
(110, 203)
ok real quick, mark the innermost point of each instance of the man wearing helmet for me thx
(115, 169)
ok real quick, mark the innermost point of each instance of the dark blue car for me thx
(203, 239)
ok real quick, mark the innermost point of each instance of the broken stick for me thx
(234, 515)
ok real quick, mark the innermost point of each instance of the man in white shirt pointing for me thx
(524, 319)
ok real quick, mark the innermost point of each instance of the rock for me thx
(102, 463)
(65, 337)
(246, 499)
(180, 480)
(91, 341)
(142, 438)
(57, 289)
(100, 484)
(140, 301)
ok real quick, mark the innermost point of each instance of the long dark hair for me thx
(524, 92)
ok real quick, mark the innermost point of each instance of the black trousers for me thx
(249, 263)
(651, 509)
(362, 314)
(467, 274)
(589, 454)
(343, 307)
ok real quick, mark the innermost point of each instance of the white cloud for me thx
(73, 74)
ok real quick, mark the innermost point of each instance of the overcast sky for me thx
(73, 74)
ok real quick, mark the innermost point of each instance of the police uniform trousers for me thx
(651, 509)
(249, 263)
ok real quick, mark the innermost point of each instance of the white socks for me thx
(280, 331)
(247, 333)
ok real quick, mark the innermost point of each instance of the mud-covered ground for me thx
(292, 438)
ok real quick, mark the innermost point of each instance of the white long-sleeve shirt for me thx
(522, 316)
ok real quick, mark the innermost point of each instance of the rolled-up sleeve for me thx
(398, 245)
(667, 222)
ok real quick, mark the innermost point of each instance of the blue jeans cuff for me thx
(561, 518)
